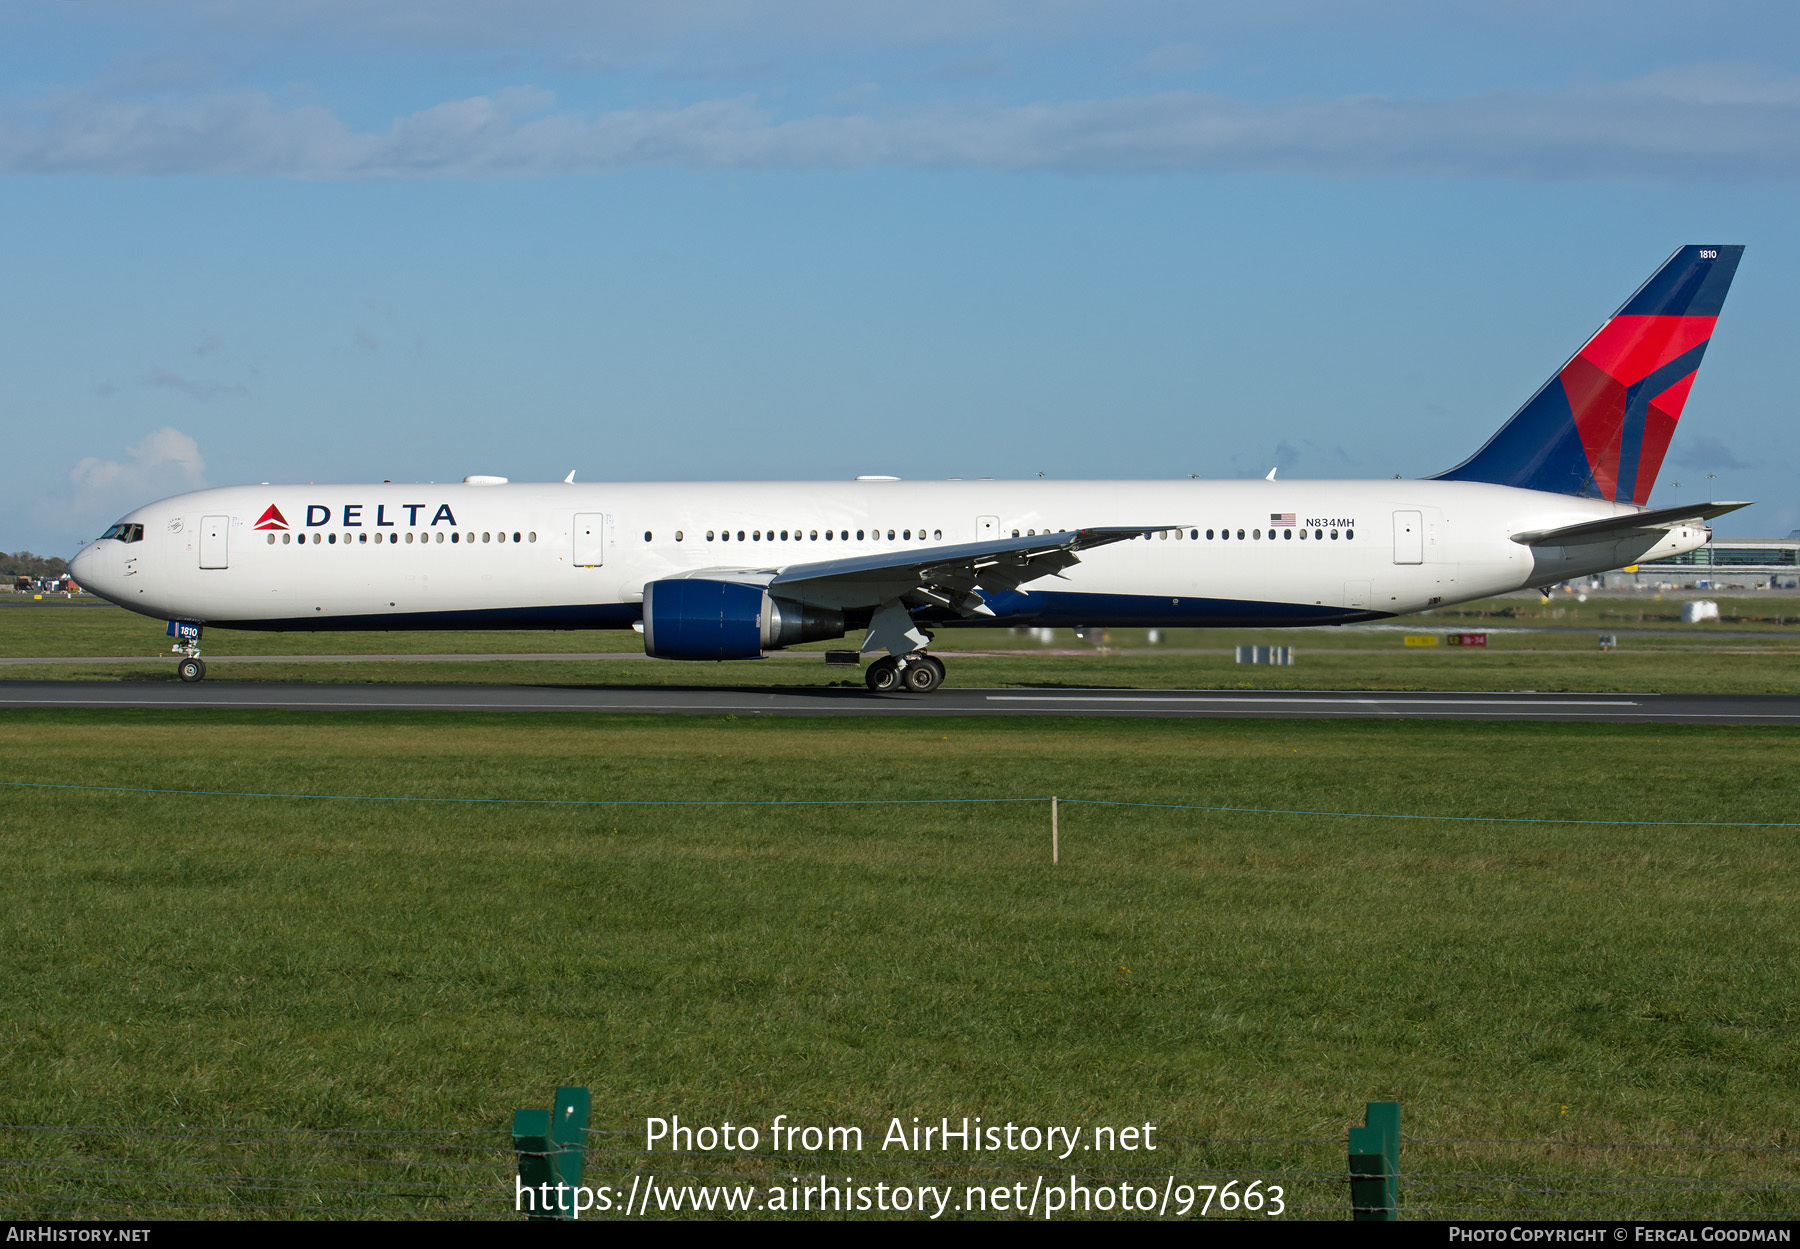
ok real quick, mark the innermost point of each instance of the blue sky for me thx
(311, 241)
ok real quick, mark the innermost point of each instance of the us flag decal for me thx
(1281, 520)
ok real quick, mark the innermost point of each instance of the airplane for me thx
(725, 570)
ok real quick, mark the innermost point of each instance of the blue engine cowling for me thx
(688, 618)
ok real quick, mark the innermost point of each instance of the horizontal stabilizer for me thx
(1615, 527)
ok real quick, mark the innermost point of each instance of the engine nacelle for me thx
(688, 618)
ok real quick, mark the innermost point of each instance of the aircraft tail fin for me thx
(1602, 423)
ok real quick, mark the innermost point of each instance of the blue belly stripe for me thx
(1042, 608)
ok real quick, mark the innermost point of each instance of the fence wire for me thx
(176, 1171)
(428, 799)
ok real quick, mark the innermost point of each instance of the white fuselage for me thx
(578, 555)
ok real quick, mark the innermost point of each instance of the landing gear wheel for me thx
(923, 675)
(883, 676)
(190, 670)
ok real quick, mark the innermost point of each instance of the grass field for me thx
(1532, 645)
(241, 965)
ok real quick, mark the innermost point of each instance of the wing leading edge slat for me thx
(946, 576)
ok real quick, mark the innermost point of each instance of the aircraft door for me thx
(214, 539)
(590, 539)
(987, 528)
(1409, 537)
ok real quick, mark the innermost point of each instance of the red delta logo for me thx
(271, 519)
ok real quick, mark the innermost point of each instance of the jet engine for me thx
(689, 618)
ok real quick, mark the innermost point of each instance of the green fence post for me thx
(531, 1141)
(1375, 1164)
(568, 1138)
(549, 1144)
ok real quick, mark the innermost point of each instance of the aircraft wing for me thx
(947, 576)
(1616, 527)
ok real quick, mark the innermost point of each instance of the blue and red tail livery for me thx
(1601, 426)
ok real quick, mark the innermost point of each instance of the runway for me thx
(813, 701)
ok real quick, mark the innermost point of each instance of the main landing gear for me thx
(917, 673)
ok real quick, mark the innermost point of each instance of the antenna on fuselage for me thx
(1271, 476)
(570, 479)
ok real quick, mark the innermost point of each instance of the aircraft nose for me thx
(93, 571)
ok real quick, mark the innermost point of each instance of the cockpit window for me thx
(125, 533)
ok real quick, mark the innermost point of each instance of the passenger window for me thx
(440, 539)
(756, 535)
(814, 537)
(1334, 535)
(678, 535)
(1349, 534)
(784, 537)
(286, 538)
(361, 538)
(740, 536)
(845, 535)
(533, 535)
(859, 535)
(890, 535)
(907, 534)
(333, 539)
(937, 535)
(1257, 534)
(271, 539)
(1015, 533)
(1240, 535)
(1288, 534)
(828, 535)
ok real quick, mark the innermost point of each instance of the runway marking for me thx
(1339, 702)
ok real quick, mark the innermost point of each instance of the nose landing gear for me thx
(918, 673)
(187, 644)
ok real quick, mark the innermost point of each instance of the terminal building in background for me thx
(1725, 563)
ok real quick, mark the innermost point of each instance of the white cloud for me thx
(164, 462)
(1697, 125)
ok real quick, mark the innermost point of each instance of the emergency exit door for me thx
(590, 539)
(214, 539)
(1409, 537)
